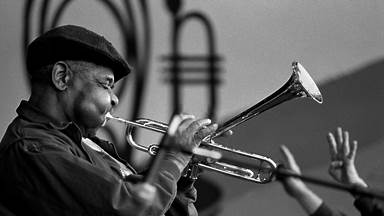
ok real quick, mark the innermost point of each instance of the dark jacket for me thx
(45, 169)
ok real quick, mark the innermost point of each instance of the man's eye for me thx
(104, 85)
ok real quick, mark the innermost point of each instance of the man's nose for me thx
(114, 99)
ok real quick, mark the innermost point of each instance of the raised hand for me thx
(342, 167)
(293, 186)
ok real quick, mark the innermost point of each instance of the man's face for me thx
(91, 94)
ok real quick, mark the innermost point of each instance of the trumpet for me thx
(299, 85)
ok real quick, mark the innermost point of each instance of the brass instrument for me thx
(300, 84)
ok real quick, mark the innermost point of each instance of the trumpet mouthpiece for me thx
(108, 115)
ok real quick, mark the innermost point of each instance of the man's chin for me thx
(90, 132)
(94, 127)
(99, 122)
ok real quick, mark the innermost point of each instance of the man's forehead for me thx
(99, 71)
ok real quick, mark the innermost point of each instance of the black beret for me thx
(72, 42)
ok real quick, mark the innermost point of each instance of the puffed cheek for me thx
(102, 102)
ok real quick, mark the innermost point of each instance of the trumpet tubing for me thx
(261, 175)
(299, 85)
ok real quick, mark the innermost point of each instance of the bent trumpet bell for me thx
(300, 84)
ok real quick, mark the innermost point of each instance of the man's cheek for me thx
(91, 106)
(87, 112)
(103, 103)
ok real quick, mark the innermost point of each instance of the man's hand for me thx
(342, 167)
(189, 134)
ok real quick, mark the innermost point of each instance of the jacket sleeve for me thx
(49, 170)
(185, 199)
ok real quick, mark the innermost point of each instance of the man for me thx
(51, 162)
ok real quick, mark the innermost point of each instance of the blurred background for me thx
(227, 56)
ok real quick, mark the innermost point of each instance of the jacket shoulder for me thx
(32, 136)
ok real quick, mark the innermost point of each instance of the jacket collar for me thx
(31, 113)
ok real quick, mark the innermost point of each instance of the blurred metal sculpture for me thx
(208, 203)
(176, 59)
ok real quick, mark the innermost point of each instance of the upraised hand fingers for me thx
(339, 132)
(345, 144)
(339, 139)
(352, 153)
(332, 146)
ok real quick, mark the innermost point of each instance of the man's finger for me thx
(339, 140)
(339, 135)
(196, 125)
(332, 146)
(352, 154)
(204, 131)
(336, 164)
(345, 144)
(226, 133)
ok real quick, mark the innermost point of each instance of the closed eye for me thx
(106, 85)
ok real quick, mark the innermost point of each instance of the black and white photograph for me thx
(192, 107)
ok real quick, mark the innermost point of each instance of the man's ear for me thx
(61, 75)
